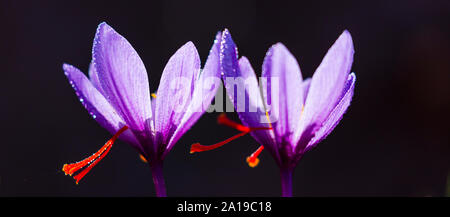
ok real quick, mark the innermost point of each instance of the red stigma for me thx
(91, 161)
(223, 119)
(197, 147)
(253, 159)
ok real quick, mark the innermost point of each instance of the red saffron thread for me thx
(91, 161)
(223, 119)
(253, 159)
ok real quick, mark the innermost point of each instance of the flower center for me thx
(89, 162)
(223, 119)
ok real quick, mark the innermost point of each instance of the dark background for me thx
(393, 141)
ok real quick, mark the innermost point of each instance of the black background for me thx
(393, 141)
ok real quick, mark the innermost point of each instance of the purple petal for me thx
(258, 117)
(97, 105)
(122, 77)
(175, 90)
(250, 105)
(284, 78)
(93, 77)
(205, 88)
(326, 86)
(305, 87)
(336, 114)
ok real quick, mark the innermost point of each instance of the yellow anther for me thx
(303, 109)
(252, 162)
(142, 158)
(153, 95)
(268, 119)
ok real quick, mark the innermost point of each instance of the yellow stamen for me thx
(303, 109)
(268, 119)
(142, 158)
(252, 162)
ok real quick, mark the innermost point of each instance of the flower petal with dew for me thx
(117, 95)
(300, 113)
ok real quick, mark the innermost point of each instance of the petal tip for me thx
(243, 59)
(346, 38)
(189, 45)
(226, 38)
(347, 34)
(219, 34)
(103, 25)
(103, 30)
(67, 68)
(218, 37)
(278, 47)
(187, 49)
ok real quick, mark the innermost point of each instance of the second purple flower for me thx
(287, 115)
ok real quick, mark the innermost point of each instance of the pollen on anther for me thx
(252, 162)
(143, 159)
(253, 159)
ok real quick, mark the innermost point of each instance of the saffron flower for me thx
(289, 116)
(117, 95)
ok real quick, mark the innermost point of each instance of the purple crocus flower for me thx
(289, 116)
(117, 95)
